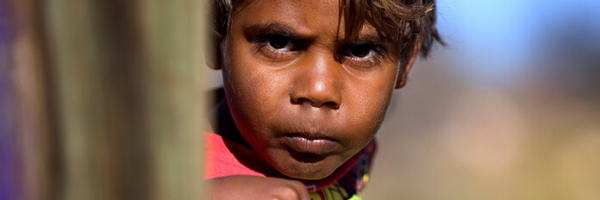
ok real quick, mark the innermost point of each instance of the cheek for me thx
(254, 93)
(373, 106)
(367, 104)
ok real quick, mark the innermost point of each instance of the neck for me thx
(223, 124)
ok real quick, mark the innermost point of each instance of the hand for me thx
(254, 187)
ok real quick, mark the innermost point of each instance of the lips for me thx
(311, 143)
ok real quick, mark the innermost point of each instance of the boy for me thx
(306, 86)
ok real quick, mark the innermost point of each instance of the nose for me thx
(318, 82)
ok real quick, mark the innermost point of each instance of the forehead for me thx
(320, 17)
(292, 10)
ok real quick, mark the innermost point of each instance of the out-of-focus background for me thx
(510, 109)
(101, 99)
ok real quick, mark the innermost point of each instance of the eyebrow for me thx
(273, 29)
(277, 28)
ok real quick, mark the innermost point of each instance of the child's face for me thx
(302, 99)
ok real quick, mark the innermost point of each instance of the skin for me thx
(289, 78)
(253, 187)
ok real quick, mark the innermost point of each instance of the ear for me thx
(213, 55)
(404, 73)
(401, 80)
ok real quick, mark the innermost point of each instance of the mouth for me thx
(311, 143)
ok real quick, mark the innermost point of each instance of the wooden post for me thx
(110, 98)
(30, 130)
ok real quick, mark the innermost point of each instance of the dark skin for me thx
(254, 187)
(302, 99)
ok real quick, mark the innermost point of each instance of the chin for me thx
(310, 170)
(309, 174)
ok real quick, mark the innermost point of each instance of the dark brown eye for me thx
(280, 43)
(360, 50)
(362, 54)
